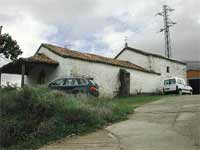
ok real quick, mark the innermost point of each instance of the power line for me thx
(167, 24)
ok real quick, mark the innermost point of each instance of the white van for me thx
(176, 85)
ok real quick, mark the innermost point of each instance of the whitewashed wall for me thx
(176, 69)
(105, 75)
(156, 64)
(135, 58)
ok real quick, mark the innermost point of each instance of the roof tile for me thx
(65, 52)
(40, 58)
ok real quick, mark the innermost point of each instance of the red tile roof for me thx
(15, 67)
(148, 54)
(40, 58)
(67, 53)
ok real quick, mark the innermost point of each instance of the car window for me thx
(181, 82)
(75, 82)
(71, 82)
(81, 81)
(92, 82)
(166, 82)
(68, 82)
(172, 81)
(58, 82)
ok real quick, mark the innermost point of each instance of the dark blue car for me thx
(75, 85)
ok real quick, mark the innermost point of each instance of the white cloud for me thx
(33, 22)
(199, 20)
(109, 35)
(28, 32)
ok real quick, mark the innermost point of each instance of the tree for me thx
(9, 47)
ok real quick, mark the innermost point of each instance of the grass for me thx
(136, 101)
(32, 117)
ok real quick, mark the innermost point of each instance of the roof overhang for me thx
(15, 67)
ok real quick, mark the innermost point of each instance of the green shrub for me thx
(31, 117)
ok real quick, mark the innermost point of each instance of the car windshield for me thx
(92, 82)
(166, 82)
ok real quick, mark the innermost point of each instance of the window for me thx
(181, 81)
(68, 82)
(92, 82)
(170, 81)
(71, 82)
(58, 82)
(168, 69)
(166, 82)
(81, 82)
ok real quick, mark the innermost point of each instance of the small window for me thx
(168, 69)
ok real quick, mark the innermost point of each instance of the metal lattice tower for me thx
(1, 29)
(167, 24)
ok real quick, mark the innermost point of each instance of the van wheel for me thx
(180, 92)
(190, 92)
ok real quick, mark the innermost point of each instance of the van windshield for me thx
(170, 81)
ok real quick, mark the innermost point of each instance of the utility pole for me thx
(0, 70)
(1, 29)
(167, 24)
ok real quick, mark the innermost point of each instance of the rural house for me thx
(132, 71)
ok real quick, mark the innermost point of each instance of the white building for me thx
(141, 72)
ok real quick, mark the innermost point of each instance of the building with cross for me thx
(141, 72)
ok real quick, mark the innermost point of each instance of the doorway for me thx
(124, 77)
(41, 77)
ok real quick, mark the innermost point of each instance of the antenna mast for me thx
(167, 24)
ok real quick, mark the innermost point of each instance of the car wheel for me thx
(180, 92)
(190, 92)
(165, 93)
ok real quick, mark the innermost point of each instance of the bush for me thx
(30, 117)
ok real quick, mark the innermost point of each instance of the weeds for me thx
(31, 117)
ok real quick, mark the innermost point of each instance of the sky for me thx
(100, 26)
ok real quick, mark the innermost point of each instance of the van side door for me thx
(172, 84)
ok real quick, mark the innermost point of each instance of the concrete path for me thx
(172, 123)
